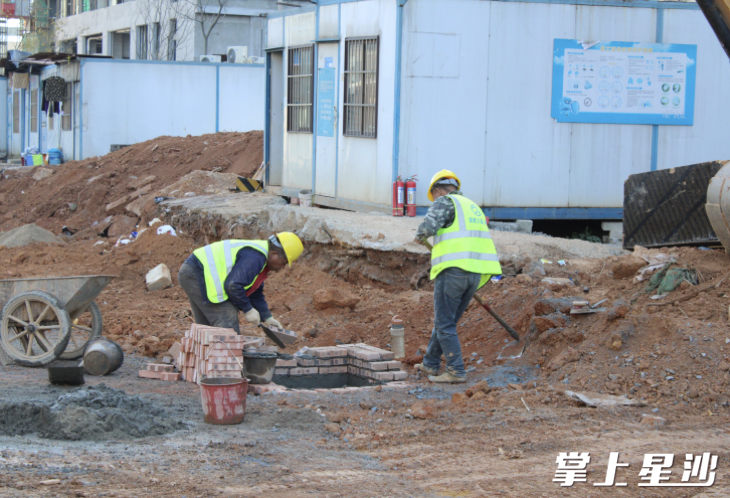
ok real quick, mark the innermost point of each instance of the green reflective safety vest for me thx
(218, 259)
(466, 244)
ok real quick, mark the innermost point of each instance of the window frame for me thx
(346, 72)
(142, 48)
(289, 83)
(171, 41)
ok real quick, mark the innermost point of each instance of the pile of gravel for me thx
(28, 234)
(97, 413)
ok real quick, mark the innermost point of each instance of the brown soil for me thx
(94, 183)
(500, 441)
(629, 349)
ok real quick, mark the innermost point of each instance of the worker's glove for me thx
(275, 323)
(253, 317)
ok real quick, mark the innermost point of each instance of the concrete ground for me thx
(359, 230)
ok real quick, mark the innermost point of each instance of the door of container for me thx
(275, 130)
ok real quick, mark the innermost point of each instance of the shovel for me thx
(513, 349)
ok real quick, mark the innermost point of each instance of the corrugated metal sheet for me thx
(602, 156)
(526, 149)
(708, 139)
(300, 29)
(275, 33)
(365, 165)
(476, 90)
(445, 56)
(328, 21)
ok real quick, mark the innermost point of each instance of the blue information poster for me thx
(326, 102)
(623, 82)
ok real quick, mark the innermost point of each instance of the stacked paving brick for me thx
(160, 372)
(214, 352)
(356, 359)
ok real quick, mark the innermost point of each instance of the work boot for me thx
(420, 367)
(447, 378)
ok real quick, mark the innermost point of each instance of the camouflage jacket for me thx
(440, 215)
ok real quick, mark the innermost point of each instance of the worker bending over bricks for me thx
(226, 277)
(463, 259)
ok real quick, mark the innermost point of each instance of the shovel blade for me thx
(512, 350)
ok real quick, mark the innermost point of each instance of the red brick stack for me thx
(159, 372)
(213, 352)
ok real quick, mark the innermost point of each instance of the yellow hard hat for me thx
(441, 175)
(291, 244)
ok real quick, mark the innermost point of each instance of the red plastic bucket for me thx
(224, 400)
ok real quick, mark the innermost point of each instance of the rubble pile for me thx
(90, 195)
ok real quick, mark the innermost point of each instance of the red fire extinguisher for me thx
(398, 189)
(411, 196)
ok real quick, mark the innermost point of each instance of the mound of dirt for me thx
(28, 234)
(79, 192)
(97, 413)
(200, 183)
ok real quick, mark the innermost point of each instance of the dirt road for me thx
(284, 449)
(669, 355)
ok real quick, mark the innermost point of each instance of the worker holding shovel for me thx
(226, 277)
(463, 258)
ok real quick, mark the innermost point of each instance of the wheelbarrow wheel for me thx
(84, 328)
(34, 328)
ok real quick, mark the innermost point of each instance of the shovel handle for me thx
(484, 305)
(504, 324)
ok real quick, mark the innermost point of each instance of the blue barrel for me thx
(55, 156)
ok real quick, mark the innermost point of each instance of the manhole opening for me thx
(323, 381)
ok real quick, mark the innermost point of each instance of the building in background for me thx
(360, 92)
(182, 30)
(110, 101)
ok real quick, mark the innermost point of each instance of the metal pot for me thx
(103, 356)
(258, 366)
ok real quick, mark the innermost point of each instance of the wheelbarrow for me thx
(44, 319)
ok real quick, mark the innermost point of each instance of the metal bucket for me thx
(103, 356)
(258, 366)
(224, 400)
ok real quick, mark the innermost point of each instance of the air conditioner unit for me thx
(237, 55)
(210, 58)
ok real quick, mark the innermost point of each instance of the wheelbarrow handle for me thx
(484, 305)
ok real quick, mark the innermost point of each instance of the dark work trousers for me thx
(216, 315)
(452, 293)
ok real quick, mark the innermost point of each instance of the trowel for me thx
(513, 349)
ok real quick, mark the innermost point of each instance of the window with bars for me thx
(171, 42)
(299, 90)
(66, 109)
(361, 88)
(34, 111)
(142, 42)
(16, 112)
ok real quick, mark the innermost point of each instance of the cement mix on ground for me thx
(359, 230)
(28, 234)
(97, 413)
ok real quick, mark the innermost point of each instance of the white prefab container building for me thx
(360, 92)
(115, 101)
